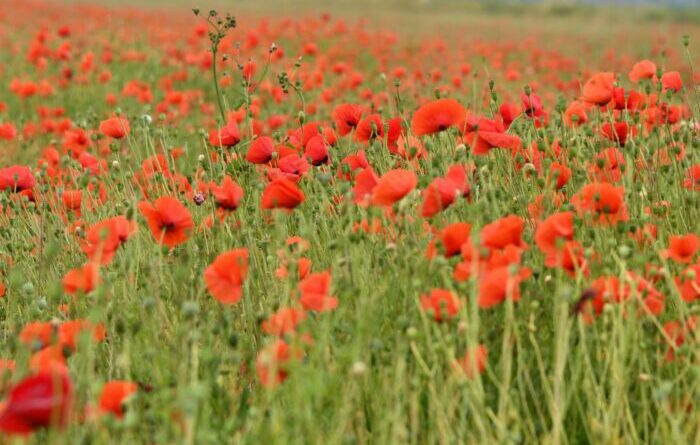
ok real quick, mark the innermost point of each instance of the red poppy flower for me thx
(437, 116)
(284, 321)
(113, 396)
(51, 358)
(39, 401)
(683, 248)
(677, 333)
(598, 90)
(8, 131)
(442, 303)
(483, 135)
(70, 331)
(272, 364)
(282, 193)
(618, 132)
(370, 128)
(509, 112)
(558, 226)
(688, 283)
(605, 202)
(561, 173)
(104, 238)
(315, 290)
(168, 219)
(260, 150)
(16, 178)
(293, 166)
(347, 117)
(474, 361)
(672, 81)
(393, 186)
(569, 257)
(72, 199)
(644, 69)
(316, 150)
(442, 192)
(692, 178)
(115, 127)
(499, 284)
(351, 163)
(226, 136)
(365, 182)
(503, 232)
(604, 290)
(228, 195)
(576, 113)
(82, 279)
(225, 276)
(37, 332)
(453, 236)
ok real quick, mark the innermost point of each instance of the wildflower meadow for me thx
(388, 223)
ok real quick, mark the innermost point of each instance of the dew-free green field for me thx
(348, 223)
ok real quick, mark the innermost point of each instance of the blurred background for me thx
(598, 22)
(612, 12)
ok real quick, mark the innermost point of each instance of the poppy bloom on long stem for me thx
(169, 220)
(437, 116)
(283, 194)
(225, 276)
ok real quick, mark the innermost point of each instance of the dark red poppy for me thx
(39, 401)
(260, 150)
(316, 150)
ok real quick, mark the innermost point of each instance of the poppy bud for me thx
(358, 368)
(190, 309)
(28, 288)
(624, 251)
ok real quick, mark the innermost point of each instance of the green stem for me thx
(216, 85)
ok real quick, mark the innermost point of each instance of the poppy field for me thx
(250, 227)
